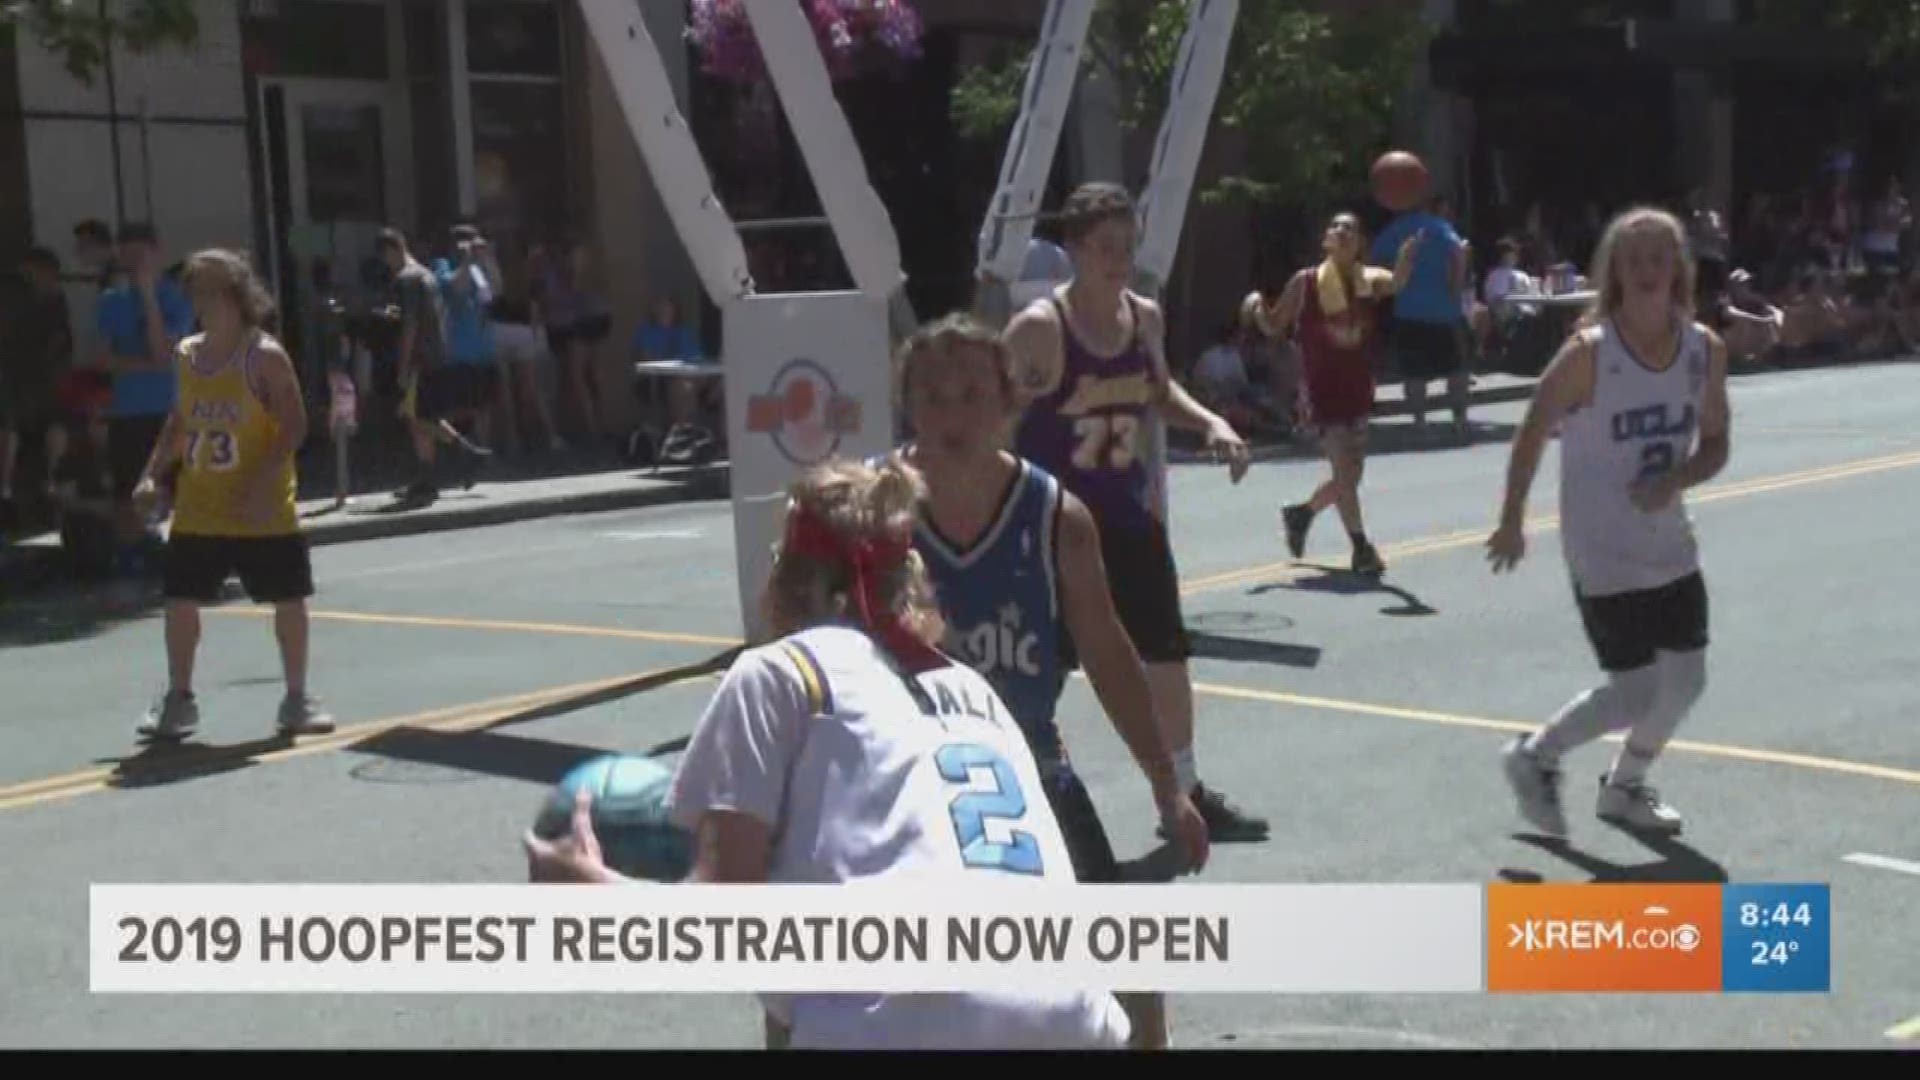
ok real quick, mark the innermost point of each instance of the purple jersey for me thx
(1091, 430)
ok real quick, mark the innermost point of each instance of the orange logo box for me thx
(1603, 938)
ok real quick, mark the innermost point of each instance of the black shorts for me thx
(452, 389)
(1425, 350)
(1087, 844)
(591, 330)
(130, 442)
(1628, 630)
(271, 568)
(1145, 585)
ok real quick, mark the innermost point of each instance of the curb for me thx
(692, 486)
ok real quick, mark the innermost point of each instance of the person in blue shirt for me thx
(466, 387)
(141, 323)
(1016, 567)
(663, 336)
(1425, 334)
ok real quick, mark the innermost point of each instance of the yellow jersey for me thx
(226, 432)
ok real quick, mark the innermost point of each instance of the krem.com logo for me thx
(1603, 938)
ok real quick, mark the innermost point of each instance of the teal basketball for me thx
(636, 836)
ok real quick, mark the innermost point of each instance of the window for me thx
(513, 37)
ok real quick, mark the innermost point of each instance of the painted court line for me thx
(1883, 862)
(478, 714)
(453, 718)
(1472, 537)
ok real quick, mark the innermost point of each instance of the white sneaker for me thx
(1636, 805)
(301, 715)
(174, 716)
(1536, 788)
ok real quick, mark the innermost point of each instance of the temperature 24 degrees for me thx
(1782, 914)
(1776, 938)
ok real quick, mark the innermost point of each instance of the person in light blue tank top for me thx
(1016, 567)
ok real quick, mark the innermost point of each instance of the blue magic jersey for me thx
(1001, 601)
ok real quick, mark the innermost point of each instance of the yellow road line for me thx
(1287, 571)
(450, 623)
(1904, 1030)
(1431, 716)
(456, 718)
(479, 714)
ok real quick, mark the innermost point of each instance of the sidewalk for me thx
(375, 515)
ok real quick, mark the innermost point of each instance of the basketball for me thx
(629, 816)
(1399, 180)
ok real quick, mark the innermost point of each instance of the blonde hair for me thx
(943, 338)
(857, 501)
(231, 273)
(1609, 290)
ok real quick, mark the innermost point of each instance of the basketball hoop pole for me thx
(807, 375)
(1176, 159)
(1028, 162)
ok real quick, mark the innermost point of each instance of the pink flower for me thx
(844, 29)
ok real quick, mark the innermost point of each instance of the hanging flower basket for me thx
(853, 36)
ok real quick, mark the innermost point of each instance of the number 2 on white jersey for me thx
(1106, 442)
(970, 810)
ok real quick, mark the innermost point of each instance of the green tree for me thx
(1312, 85)
(81, 31)
(1889, 28)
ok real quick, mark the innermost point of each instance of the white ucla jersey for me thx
(1640, 423)
(870, 776)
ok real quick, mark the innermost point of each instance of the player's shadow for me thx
(1339, 582)
(1253, 650)
(501, 754)
(163, 761)
(1678, 862)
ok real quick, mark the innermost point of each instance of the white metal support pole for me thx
(1183, 138)
(1176, 160)
(1051, 75)
(645, 92)
(807, 375)
(800, 81)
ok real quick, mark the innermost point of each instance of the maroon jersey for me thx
(1091, 431)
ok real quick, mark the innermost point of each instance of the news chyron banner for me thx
(1186, 938)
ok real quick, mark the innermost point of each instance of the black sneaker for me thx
(1225, 821)
(1366, 560)
(1297, 519)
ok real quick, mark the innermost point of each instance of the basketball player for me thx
(836, 753)
(237, 423)
(1330, 311)
(1092, 374)
(1639, 398)
(1016, 563)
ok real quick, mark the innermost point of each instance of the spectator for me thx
(1424, 335)
(663, 336)
(521, 350)
(577, 320)
(1888, 221)
(141, 323)
(468, 385)
(416, 295)
(33, 363)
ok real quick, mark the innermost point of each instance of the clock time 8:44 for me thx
(1777, 914)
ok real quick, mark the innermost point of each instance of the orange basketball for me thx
(1400, 180)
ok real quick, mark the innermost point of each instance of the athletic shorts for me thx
(271, 568)
(1087, 843)
(1627, 630)
(1424, 350)
(1145, 585)
(456, 388)
(130, 441)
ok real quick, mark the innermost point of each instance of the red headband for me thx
(869, 559)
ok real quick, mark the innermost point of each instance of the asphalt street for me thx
(469, 669)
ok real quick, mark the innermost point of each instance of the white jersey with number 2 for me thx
(1640, 423)
(862, 778)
